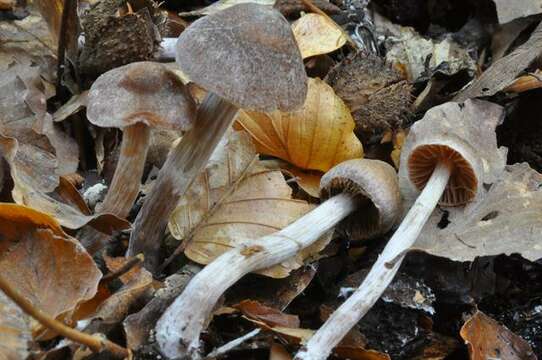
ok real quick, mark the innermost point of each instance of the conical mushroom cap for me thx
(374, 183)
(246, 54)
(141, 92)
(461, 134)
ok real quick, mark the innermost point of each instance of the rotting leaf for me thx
(49, 268)
(505, 220)
(32, 172)
(504, 71)
(317, 35)
(236, 199)
(270, 316)
(315, 137)
(15, 334)
(487, 339)
(510, 10)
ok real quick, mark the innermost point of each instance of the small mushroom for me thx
(245, 57)
(136, 98)
(447, 156)
(355, 188)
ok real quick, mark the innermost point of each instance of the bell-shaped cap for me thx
(374, 184)
(464, 136)
(145, 92)
(247, 55)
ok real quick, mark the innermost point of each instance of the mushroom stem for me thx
(93, 342)
(183, 164)
(382, 273)
(126, 181)
(178, 330)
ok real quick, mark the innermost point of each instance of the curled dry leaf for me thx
(505, 220)
(236, 199)
(34, 181)
(15, 333)
(315, 137)
(487, 339)
(270, 316)
(317, 35)
(51, 269)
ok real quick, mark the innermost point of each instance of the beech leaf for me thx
(505, 220)
(51, 269)
(235, 199)
(487, 339)
(317, 35)
(15, 333)
(316, 137)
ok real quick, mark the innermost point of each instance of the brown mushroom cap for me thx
(246, 54)
(463, 135)
(374, 183)
(145, 92)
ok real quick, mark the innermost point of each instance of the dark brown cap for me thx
(374, 184)
(145, 92)
(463, 135)
(246, 54)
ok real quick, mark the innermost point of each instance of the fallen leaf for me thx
(316, 137)
(317, 35)
(222, 5)
(505, 220)
(15, 333)
(271, 316)
(236, 199)
(278, 352)
(116, 307)
(51, 269)
(504, 71)
(116, 263)
(34, 181)
(487, 339)
(508, 11)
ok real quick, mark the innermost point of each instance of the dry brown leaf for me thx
(316, 137)
(32, 171)
(505, 220)
(271, 316)
(317, 35)
(236, 199)
(48, 267)
(487, 339)
(278, 352)
(116, 263)
(115, 308)
(15, 334)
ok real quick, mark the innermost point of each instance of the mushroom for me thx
(446, 156)
(355, 188)
(135, 98)
(245, 57)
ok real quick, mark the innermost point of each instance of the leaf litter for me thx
(469, 287)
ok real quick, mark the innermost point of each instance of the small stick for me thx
(93, 342)
(382, 273)
(231, 345)
(130, 264)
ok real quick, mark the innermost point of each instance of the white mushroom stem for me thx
(183, 164)
(179, 328)
(382, 273)
(126, 181)
(125, 185)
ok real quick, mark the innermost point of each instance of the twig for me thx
(93, 342)
(130, 264)
(231, 345)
